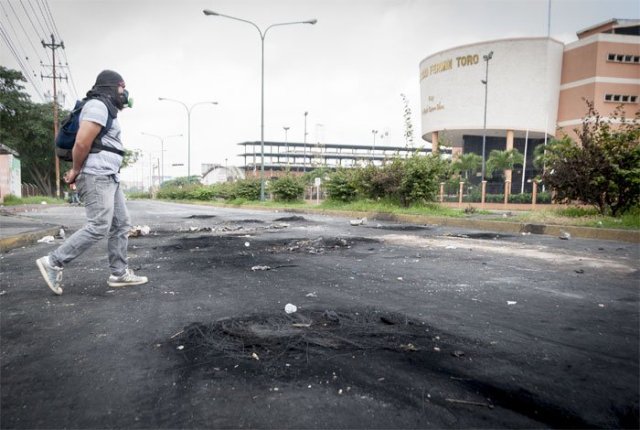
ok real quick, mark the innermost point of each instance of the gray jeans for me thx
(107, 216)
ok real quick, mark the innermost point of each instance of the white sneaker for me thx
(51, 274)
(128, 279)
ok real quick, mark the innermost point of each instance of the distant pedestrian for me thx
(96, 175)
(74, 199)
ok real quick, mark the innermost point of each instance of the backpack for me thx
(66, 137)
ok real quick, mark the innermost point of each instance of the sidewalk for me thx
(18, 230)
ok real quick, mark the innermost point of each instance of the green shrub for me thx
(287, 188)
(341, 186)
(248, 189)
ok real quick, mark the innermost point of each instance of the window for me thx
(623, 58)
(620, 98)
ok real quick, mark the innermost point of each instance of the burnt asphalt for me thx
(399, 325)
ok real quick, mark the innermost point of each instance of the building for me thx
(10, 177)
(305, 157)
(519, 93)
(602, 66)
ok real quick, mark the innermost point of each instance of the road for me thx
(397, 326)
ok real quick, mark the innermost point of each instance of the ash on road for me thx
(397, 326)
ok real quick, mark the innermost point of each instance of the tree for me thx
(603, 169)
(467, 163)
(503, 161)
(408, 127)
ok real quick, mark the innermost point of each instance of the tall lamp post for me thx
(263, 34)
(161, 139)
(286, 142)
(188, 109)
(486, 58)
(304, 156)
(373, 148)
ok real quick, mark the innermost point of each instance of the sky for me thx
(348, 71)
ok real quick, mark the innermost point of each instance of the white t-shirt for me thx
(103, 162)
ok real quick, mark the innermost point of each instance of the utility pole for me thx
(53, 45)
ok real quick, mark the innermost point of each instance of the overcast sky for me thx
(347, 71)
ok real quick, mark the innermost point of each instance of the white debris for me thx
(247, 244)
(255, 356)
(509, 302)
(314, 294)
(180, 347)
(360, 221)
(289, 308)
(46, 239)
(43, 202)
(451, 247)
(256, 268)
(565, 235)
(139, 230)
(61, 233)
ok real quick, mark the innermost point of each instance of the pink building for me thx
(602, 66)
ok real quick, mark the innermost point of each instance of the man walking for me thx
(96, 175)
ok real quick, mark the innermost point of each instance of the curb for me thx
(28, 238)
(617, 235)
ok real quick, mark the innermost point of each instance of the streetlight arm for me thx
(208, 12)
(310, 21)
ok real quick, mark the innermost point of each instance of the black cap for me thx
(109, 78)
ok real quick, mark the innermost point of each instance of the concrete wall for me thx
(10, 179)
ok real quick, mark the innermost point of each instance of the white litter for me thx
(46, 239)
(247, 244)
(255, 356)
(43, 203)
(180, 347)
(256, 268)
(360, 221)
(289, 308)
(509, 302)
(61, 233)
(314, 294)
(139, 230)
(451, 247)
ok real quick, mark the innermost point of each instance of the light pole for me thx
(373, 148)
(188, 109)
(486, 58)
(161, 150)
(286, 142)
(263, 34)
(304, 157)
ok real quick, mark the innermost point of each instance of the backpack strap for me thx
(97, 145)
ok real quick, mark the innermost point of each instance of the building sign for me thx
(446, 65)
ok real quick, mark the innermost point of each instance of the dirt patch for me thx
(293, 218)
(401, 227)
(200, 216)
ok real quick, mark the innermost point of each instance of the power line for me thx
(18, 48)
(24, 30)
(25, 72)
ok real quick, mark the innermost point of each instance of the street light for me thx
(263, 34)
(486, 58)
(188, 109)
(304, 156)
(286, 142)
(161, 150)
(373, 148)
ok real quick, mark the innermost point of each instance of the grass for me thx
(583, 217)
(12, 200)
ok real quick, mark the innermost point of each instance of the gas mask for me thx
(123, 100)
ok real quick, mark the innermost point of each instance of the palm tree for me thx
(467, 163)
(504, 161)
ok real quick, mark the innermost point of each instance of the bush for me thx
(287, 188)
(603, 170)
(248, 189)
(420, 182)
(341, 186)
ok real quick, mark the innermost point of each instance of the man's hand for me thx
(70, 176)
